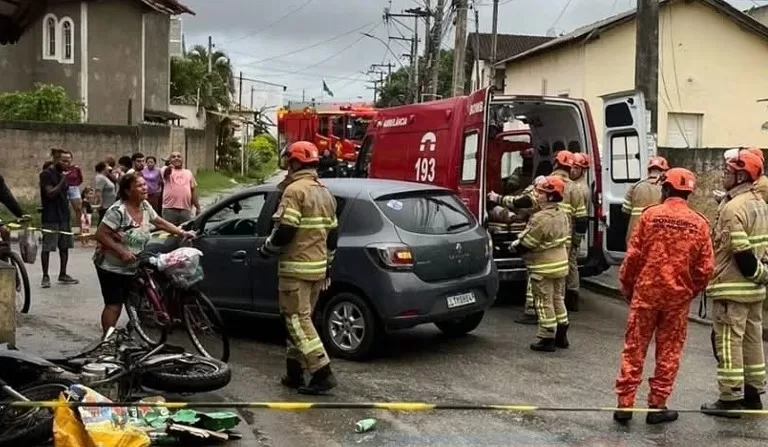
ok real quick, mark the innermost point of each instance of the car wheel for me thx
(461, 326)
(348, 327)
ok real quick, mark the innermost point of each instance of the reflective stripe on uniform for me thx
(292, 216)
(529, 241)
(567, 207)
(541, 312)
(318, 222)
(331, 255)
(305, 345)
(555, 243)
(735, 289)
(759, 273)
(740, 241)
(754, 371)
(580, 212)
(726, 371)
(308, 267)
(626, 207)
(550, 267)
(758, 240)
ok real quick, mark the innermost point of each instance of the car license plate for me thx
(460, 300)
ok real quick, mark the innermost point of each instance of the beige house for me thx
(712, 71)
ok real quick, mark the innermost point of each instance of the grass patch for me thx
(211, 182)
(30, 207)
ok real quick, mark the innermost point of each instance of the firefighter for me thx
(738, 287)
(669, 261)
(644, 193)
(305, 237)
(543, 246)
(575, 206)
(579, 177)
(522, 177)
(762, 182)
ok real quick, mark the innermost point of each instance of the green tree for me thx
(395, 90)
(262, 156)
(49, 103)
(220, 64)
(191, 82)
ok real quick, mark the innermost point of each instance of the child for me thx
(86, 216)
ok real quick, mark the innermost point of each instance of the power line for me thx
(562, 12)
(261, 30)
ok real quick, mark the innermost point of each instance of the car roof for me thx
(352, 187)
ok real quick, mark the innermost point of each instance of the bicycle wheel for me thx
(23, 294)
(143, 318)
(201, 318)
(31, 426)
(191, 374)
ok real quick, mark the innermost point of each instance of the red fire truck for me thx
(337, 127)
(470, 144)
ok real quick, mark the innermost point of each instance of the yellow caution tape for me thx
(42, 230)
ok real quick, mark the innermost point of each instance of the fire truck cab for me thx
(476, 144)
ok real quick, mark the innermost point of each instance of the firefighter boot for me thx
(661, 417)
(572, 300)
(752, 398)
(544, 345)
(294, 374)
(721, 407)
(561, 337)
(321, 382)
(622, 417)
(529, 319)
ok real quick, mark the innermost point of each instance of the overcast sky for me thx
(298, 43)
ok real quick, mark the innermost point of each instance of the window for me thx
(469, 165)
(50, 33)
(509, 162)
(427, 212)
(67, 40)
(625, 158)
(322, 127)
(684, 129)
(239, 218)
(338, 127)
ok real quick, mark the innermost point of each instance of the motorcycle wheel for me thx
(31, 426)
(191, 374)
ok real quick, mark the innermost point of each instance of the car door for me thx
(626, 150)
(471, 185)
(263, 273)
(228, 240)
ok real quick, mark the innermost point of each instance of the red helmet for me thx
(303, 152)
(581, 160)
(550, 184)
(757, 151)
(658, 163)
(679, 179)
(564, 159)
(744, 161)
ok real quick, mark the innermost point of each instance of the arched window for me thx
(67, 40)
(50, 34)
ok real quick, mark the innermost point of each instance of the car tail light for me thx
(393, 256)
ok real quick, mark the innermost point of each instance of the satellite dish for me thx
(551, 32)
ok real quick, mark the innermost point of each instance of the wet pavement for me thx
(493, 365)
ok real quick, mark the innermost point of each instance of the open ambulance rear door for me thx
(625, 153)
(474, 146)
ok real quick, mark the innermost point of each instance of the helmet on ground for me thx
(564, 158)
(551, 184)
(744, 161)
(757, 151)
(581, 160)
(658, 163)
(679, 179)
(303, 152)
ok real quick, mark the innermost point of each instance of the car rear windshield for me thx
(427, 212)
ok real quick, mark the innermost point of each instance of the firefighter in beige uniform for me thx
(305, 238)
(737, 288)
(762, 182)
(544, 248)
(579, 177)
(644, 193)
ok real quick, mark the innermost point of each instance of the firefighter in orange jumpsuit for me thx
(668, 263)
(644, 193)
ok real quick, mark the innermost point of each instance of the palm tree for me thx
(220, 64)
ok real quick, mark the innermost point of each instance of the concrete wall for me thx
(194, 119)
(698, 49)
(26, 146)
(157, 65)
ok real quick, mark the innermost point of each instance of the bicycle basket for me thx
(182, 266)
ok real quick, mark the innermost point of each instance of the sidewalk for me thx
(607, 283)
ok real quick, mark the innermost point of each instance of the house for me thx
(759, 13)
(709, 80)
(104, 52)
(479, 47)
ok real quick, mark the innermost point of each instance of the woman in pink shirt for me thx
(179, 192)
(154, 179)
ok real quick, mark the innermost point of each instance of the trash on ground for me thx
(365, 425)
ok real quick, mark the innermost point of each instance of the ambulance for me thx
(473, 144)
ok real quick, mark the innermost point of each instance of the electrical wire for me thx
(562, 12)
(270, 25)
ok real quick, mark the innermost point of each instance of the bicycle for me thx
(157, 303)
(23, 290)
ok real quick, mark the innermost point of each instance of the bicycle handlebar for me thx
(19, 220)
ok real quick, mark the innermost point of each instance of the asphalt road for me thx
(493, 365)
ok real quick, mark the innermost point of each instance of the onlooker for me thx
(86, 218)
(74, 180)
(179, 192)
(121, 236)
(154, 179)
(137, 163)
(56, 218)
(105, 189)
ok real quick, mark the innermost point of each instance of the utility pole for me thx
(435, 41)
(494, 43)
(477, 50)
(240, 109)
(647, 58)
(460, 47)
(388, 66)
(303, 95)
(210, 54)
(427, 40)
(416, 14)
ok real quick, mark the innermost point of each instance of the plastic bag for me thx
(182, 266)
(69, 431)
(28, 245)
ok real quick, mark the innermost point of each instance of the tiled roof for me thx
(508, 45)
(588, 32)
(171, 7)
